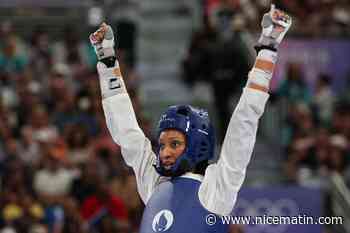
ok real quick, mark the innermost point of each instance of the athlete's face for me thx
(172, 144)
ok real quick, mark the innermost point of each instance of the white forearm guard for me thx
(111, 80)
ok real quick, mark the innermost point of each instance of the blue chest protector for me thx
(174, 207)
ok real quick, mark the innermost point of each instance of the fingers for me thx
(99, 35)
(279, 17)
(103, 41)
(109, 33)
(266, 21)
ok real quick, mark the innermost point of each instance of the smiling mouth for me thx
(168, 167)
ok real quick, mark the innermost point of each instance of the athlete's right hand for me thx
(103, 41)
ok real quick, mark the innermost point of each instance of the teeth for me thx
(167, 167)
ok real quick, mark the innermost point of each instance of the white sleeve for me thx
(222, 180)
(135, 146)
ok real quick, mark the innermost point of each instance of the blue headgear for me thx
(200, 138)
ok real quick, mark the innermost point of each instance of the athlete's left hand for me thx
(275, 25)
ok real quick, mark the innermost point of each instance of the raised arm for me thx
(224, 179)
(120, 116)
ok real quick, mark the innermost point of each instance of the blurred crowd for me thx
(312, 18)
(230, 29)
(60, 170)
(316, 130)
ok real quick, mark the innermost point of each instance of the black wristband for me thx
(258, 48)
(109, 61)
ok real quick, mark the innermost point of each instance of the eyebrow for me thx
(173, 138)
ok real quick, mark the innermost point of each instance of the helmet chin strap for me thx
(183, 167)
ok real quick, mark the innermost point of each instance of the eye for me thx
(175, 144)
(161, 146)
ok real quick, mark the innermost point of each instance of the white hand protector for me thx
(111, 81)
(103, 41)
(275, 25)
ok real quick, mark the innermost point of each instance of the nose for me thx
(166, 153)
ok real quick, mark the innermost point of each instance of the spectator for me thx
(221, 17)
(71, 51)
(78, 141)
(53, 181)
(40, 53)
(340, 119)
(11, 61)
(293, 87)
(323, 100)
(102, 208)
(67, 113)
(308, 157)
(29, 148)
(85, 184)
(73, 223)
(338, 153)
(215, 59)
(196, 65)
(39, 124)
